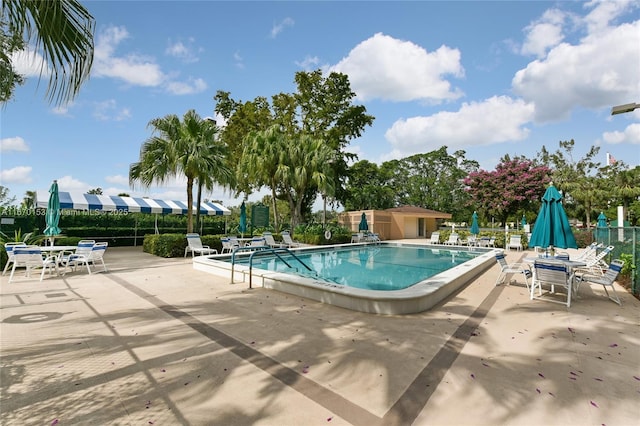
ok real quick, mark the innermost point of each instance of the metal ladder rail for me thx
(275, 252)
(237, 249)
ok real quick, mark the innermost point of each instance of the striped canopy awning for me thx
(111, 203)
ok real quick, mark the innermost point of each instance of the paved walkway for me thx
(155, 342)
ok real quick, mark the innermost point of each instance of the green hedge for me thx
(173, 245)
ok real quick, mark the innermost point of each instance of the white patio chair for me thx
(92, 258)
(257, 242)
(194, 245)
(31, 258)
(472, 240)
(84, 248)
(552, 273)
(229, 244)
(10, 255)
(605, 280)
(515, 242)
(286, 237)
(512, 268)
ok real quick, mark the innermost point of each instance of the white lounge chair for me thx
(454, 239)
(512, 268)
(595, 263)
(515, 242)
(30, 257)
(286, 237)
(257, 242)
(605, 280)
(435, 238)
(194, 245)
(271, 242)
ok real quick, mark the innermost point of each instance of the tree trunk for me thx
(189, 204)
(198, 205)
(275, 210)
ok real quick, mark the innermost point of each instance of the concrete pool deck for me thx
(154, 341)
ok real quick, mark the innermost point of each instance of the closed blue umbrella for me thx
(52, 216)
(552, 225)
(363, 225)
(523, 222)
(475, 229)
(243, 219)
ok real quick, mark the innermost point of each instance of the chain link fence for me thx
(627, 247)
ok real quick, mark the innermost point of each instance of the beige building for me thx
(396, 223)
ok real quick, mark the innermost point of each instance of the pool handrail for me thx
(274, 251)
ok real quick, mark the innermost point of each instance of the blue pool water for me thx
(373, 267)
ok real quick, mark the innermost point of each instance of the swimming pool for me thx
(386, 278)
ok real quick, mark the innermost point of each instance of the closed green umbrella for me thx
(52, 217)
(243, 219)
(523, 222)
(552, 225)
(475, 229)
(363, 225)
(602, 231)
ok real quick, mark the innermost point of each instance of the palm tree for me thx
(184, 147)
(260, 161)
(62, 31)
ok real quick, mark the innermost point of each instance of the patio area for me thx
(154, 341)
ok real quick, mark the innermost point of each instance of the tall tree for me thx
(366, 188)
(178, 147)
(61, 31)
(288, 166)
(578, 179)
(321, 109)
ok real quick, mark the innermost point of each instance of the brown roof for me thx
(419, 210)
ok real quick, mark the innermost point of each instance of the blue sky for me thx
(489, 78)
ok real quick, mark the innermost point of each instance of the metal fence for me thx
(626, 242)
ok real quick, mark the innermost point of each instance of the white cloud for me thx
(141, 70)
(19, 175)
(109, 111)
(630, 135)
(68, 183)
(544, 33)
(278, 28)
(193, 85)
(117, 180)
(185, 52)
(387, 68)
(237, 58)
(495, 120)
(29, 63)
(600, 71)
(309, 63)
(13, 144)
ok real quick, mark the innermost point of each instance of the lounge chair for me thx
(435, 238)
(595, 264)
(194, 245)
(454, 239)
(357, 238)
(605, 280)
(10, 255)
(271, 242)
(512, 268)
(553, 273)
(515, 242)
(472, 240)
(286, 237)
(31, 258)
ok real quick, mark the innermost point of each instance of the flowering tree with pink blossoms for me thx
(515, 186)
